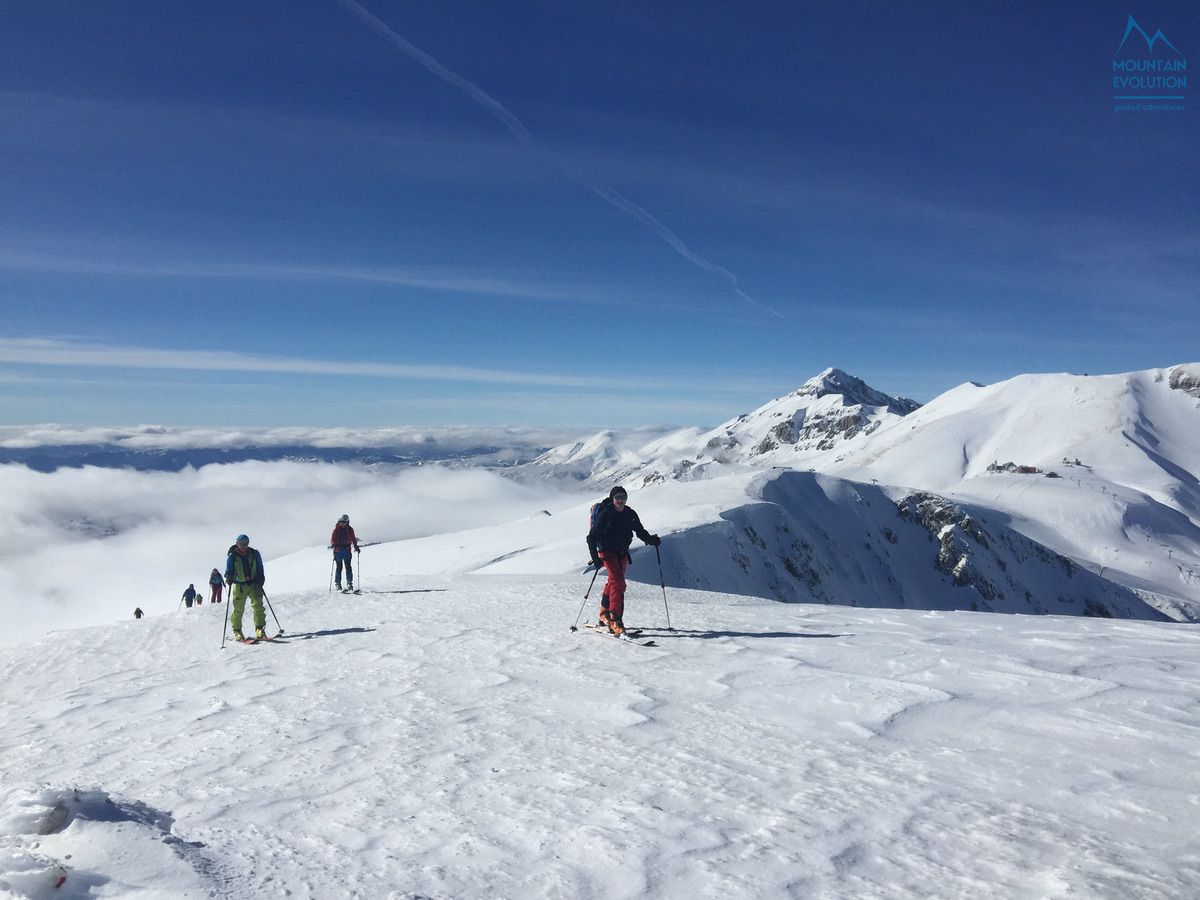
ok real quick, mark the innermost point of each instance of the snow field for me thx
(449, 737)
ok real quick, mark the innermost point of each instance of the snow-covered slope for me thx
(784, 535)
(1104, 469)
(1140, 430)
(825, 414)
(611, 451)
(451, 738)
(816, 538)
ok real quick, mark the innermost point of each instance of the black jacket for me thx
(613, 531)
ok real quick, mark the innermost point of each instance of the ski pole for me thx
(332, 563)
(575, 627)
(226, 626)
(272, 609)
(663, 583)
(358, 559)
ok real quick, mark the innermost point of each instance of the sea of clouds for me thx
(87, 545)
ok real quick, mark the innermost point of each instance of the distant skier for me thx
(340, 543)
(245, 573)
(137, 613)
(608, 545)
(189, 595)
(217, 583)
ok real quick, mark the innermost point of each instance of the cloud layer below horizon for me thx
(91, 544)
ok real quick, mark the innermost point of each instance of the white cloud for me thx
(56, 352)
(88, 545)
(158, 437)
(403, 276)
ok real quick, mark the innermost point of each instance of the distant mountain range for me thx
(1099, 472)
(1057, 493)
(826, 414)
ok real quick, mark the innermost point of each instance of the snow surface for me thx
(450, 737)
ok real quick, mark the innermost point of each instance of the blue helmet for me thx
(241, 539)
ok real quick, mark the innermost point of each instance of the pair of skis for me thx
(273, 639)
(630, 636)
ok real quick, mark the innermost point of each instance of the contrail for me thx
(522, 136)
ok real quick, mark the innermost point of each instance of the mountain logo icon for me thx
(1131, 26)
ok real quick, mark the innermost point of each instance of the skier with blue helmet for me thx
(245, 573)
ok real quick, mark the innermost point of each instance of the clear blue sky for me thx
(324, 213)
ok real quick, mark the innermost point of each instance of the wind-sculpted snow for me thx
(449, 737)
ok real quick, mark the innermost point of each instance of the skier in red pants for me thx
(608, 545)
(217, 583)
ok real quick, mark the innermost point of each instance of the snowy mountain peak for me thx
(853, 391)
(825, 412)
(822, 415)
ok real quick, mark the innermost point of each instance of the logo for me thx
(1132, 26)
(1149, 73)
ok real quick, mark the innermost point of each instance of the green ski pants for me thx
(237, 599)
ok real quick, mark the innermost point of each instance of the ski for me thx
(596, 626)
(631, 636)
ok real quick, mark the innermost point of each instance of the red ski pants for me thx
(612, 597)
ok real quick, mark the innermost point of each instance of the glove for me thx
(596, 563)
(357, 549)
(654, 541)
(329, 546)
(229, 581)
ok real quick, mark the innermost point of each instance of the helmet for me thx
(344, 518)
(241, 538)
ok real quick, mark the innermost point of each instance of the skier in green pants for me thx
(244, 571)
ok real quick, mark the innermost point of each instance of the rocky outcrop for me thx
(1181, 379)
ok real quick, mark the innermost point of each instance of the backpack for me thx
(594, 512)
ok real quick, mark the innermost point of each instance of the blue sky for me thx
(317, 212)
